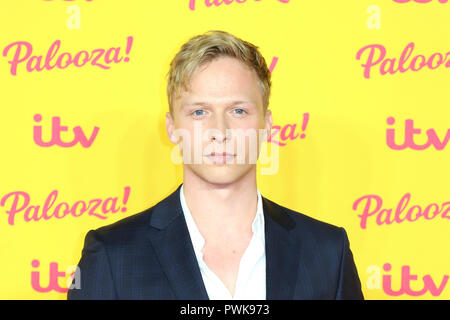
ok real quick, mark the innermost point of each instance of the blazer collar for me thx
(282, 252)
(170, 238)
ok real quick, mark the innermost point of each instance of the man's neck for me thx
(221, 208)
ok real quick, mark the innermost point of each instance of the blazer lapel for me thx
(170, 238)
(282, 253)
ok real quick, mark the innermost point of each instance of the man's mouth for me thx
(220, 157)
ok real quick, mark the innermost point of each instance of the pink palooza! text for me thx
(420, 1)
(376, 57)
(288, 132)
(372, 206)
(19, 202)
(209, 3)
(22, 54)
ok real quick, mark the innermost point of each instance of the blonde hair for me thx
(207, 47)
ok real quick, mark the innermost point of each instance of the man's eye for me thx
(198, 112)
(240, 111)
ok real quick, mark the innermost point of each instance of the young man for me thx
(215, 236)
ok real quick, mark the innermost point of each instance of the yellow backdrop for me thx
(83, 127)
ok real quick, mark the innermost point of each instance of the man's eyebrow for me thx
(233, 103)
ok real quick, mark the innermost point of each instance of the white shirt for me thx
(251, 279)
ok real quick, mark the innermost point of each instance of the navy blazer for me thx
(150, 255)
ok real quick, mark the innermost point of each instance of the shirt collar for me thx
(197, 239)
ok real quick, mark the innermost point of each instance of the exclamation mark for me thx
(304, 124)
(127, 51)
(273, 63)
(126, 195)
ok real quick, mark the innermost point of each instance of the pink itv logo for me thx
(377, 281)
(410, 132)
(72, 275)
(56, 129)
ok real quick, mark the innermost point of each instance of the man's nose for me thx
(221, 132)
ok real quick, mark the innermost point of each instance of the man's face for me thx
(222, 113)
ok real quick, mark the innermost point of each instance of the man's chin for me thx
(220, 174)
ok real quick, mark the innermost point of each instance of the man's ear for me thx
(268, 124)
(170, 127)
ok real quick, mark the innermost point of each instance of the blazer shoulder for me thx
(312, 227)
(126, 230)
(133, 228)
